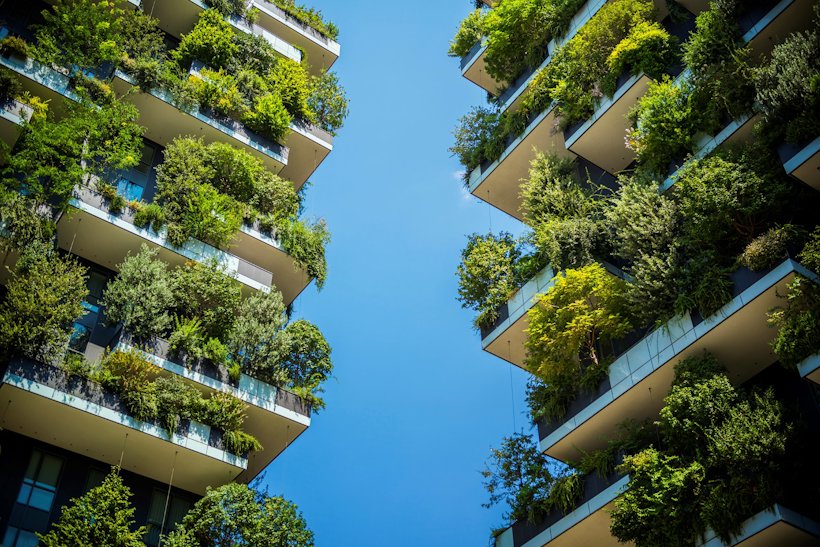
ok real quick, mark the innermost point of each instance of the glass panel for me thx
(96, 285)
(41, 499)
(79, 338)
(146, 159)
(25, 492)
(33, 464)
(8, 539)
(128, 189)
(95, 478)
(179, 508)
(26, 539)
(50, 470)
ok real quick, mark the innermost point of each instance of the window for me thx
(19, 538)
(40, 482)
(177, 508)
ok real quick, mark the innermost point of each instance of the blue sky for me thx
(416, 405)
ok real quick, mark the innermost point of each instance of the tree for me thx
(584, 307)
(235, 515)
(305, 360)
(141, 296)
(102, 516)
(518, 474)
(45, 296)
(253, 340)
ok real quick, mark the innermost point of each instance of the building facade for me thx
(609, 123)
(63, 428)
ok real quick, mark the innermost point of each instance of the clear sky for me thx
(416, 405)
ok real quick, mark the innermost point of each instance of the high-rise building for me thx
(613, 130)
(171, 139)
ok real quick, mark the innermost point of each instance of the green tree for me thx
(102, 516)
(141, 295)
(584, 308)
(206, 292)
(518, 475)
(305, 360)
(328, 102)
(45, 295)
(235, 515)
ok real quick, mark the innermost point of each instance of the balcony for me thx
(91, 231)
(810, 368)
(775, 526)
(274, 416)
(803, 162)
(12, 116)
(506, 338)
(588, 524)
(321, 50)
(734, 133)
(164, 122)
(768, 23)
(73, 413)
(40, 80)
(178, 17)
(737, 335)
(474, 68)
(498, 182)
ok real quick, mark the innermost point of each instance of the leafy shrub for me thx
(292, 84)
(306, 243)
(205, 292)
(475, 138)
(14, 45)
(75, 364)
(81, 33)
(44, 297)
(253, 343)
(101, 516)
(239, 442)
(130, 375)
(150, 216)
(228, 7)
(648, 48)
(24, 225)
(309, 16)
(211, 41)
(488, 274)
(769, 248)
(469, 33)
(328, 103)
(215, 351)
(225, 412)
(186, 339)
(663, 125)
(305, 360)
(810, 255)
(176, 401)
(269, 117)
(141, 295)
(797, 322)
(718, 60)
(10, 86)
(219, 91)
(788, 87)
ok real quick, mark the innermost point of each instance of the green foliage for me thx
(80, 34)
(292, 84)
(234, 514)
(269, 117)
(306, 243)
(577, 75)
(206, 190)
(239, 442)
(225, 412)
(584, 307)
(205, 292)
(718, 60)
(475, 138)
(810, 255)
(518, 475)
(150, 216)
(218, 90)
(24, 224)
(101, 516)
(186, 340)
(15, 45)
(44, 297)
(769, 248)
(328, 102)
(176, 401)
(565, 493)
(309, 16)
(788, 87)
(566, 214)
(141, 294)
(470, 32)
(52, 157)
(253, 340)
(211, 41)
(797, 322)
(228, 7)
(305, 360)
(488, 274)
(721, 455)
(663, 125)
(10, 86)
